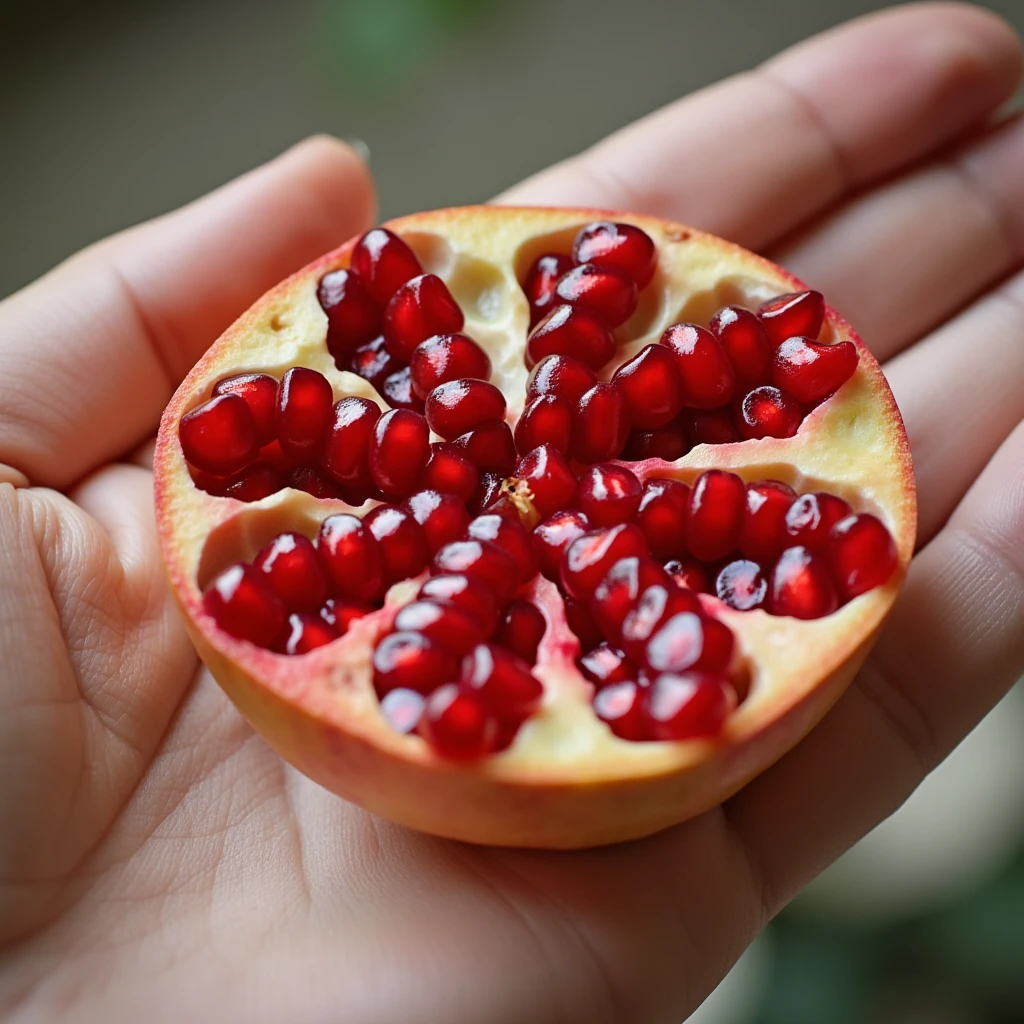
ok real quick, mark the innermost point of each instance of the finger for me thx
(961, 391)
(901, 258)
(93, 351)
(951, 649)
(756, 155)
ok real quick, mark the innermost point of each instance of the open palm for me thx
(158, 862)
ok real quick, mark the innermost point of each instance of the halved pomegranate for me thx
(561, 629)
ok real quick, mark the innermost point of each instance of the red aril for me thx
(675, 642)
(445, 357)
(706, 376)
(353, 317)
(347, 443)
(553, 536)
(398, 450)
(502, 682)
(384, 263)
(668, 444)
(413, 662)
(605, 664)
(441, 516)
(607, 295)
(307, 632)
(449, 471)
(650, 387)
(717, 501)
(619, 706)
(768, 412)
(219, 436)
(259, 390)
(294, 572)
(401, 540)
(689, 574)
(602, 424)
(308, 479)
(617, 246)
(657, 605)
(609, 495)
(489, 447)
(800, 586)
(468, 595)
(741, 585)
(810, 519)
(792, 314)
(457, 725)
(687, 706)
(373, 362)
(340, 614)
(562, 376)
(588, 558)
(662, 516)
(619, 591)
(539, 286)
(763, 534)
(582, 624)
(352, 557)
(443, 624)
(304, 408)
(483, 561)
(745, 341)
(862, 554)
(573, 332)
(241, 603)
(402, 709)
(550, 479)
(715, 426)
(251, 484)
(397, 390)
(545, 420)
(811, 372)
(421, 307)
(459, 406)
(511, 536)
(521, 630)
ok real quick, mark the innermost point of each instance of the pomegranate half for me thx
(535, 527)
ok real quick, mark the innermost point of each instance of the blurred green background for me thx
(111, 112)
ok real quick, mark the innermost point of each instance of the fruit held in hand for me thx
(529, 528)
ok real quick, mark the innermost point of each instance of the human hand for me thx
(158, 861)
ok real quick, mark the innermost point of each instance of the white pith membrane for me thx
(321, 711)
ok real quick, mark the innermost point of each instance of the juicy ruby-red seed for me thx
(307, 632)
(862, 554)
(541, 279)
(384, 263)
(605, 664)
(689, 574)
(663, 514)
(443, 624)
(456, 724)
(717, 501)
(441, 516)
(396, 389)
(793, 314)
(468, 595)
(352, 557)
(341, 614)
(293, 570)
(712, 426)
(511, 536)
(502, 681)
(489, 447)
(421, 307)
(656, 606)
(449, 471)
(588, 558)
(480, 560)
(811, 372)
(608, 295)
(687, 706)
(619, 706)
(741, 585)
(719, 644)
(668, 444)
(614, 245)
(545, 420)
(809, 520)
(259, 390)
(458, 406)
(651, 387)
(402, 709)
(620, 589)
(402, 542)
(411, 661)
(706, 375)
(552, 536)
(602, 424)
(312, 481)
(347, 443)
(562, 376)
(243, 604)
(490, 494)
(582, 624)
(675, 643)
(763, 534)
(768, 412)
(552, 483)
(305, 403)
(353, 316)
(444, 357)
(800, 585)
(521, 630)
(251, 484)
(745, 341)
(373, 362)
(219, 436)
(398, 450)
(609, 494)
(573, 332)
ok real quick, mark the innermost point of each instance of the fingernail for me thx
(360, 146)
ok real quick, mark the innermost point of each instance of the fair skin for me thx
(158, 862)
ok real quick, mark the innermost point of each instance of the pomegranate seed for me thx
(602, 424)
(442, 517)
(705, 373)
(800, 586)
(553, 536)
(717, 501)
(619, 707)
(521, 630)
(651, 387)
(796, 313)
(719, 644)
(674, 643)
(607, 295)
(552, 483)
(353, 317)
(399, 447)
(569, 331)
(304, 410)
(490, 495)
(412, 662)
(294, 572)
(562, 376)
(745, 341)
(809, 520)
(862, 554)
(396, 389)
(352, 558)
(450, 472)
(604, 665)
(462, 405)
(616, 246)
(419, 308)
(402, 542)
(663, 515)
(444, 624)
(446, 357)
(656, 606)
(763, 533)
(609, 494)
(768, 412)
(581, 623)
(689, 574)
(668, 444)
(545, 420)
(403, 709)
(251, 484)
(347, 442)
(588, 558)
(259, 390)
(341, 614)
(219, 436)
(373, 362)
(742, 585)
(539, 286)
(467, 595)
(306, 633)
(384, 263)
(241, 603)
(687, 706)
(502, 681)
(480, 560)
(456, 724)
(712, 427)
(620, 589)
(811, 372)
(511, 536)
(489, 447)
(306, 478)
